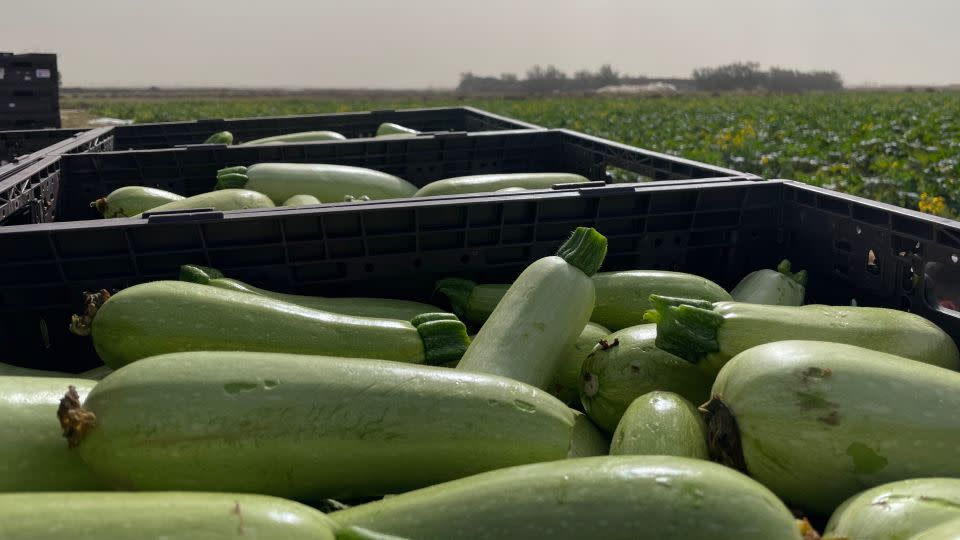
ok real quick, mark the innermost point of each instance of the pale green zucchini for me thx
(661, 424)
(386, 308)
(608, 497)
(779, 287)
(897, 510)
(566, 384)
(223, 200)
(301, 137)
(220, 137)
(311, 428)
(949, 530)
(541, 315)
(482, 183)
(129, 201)
(713, 333)
(622, 298)
(301, 200)
(388, 128)
(160, 516)
(631, 365)
(817, 422)
(173, 316)
(280, 181)
(33, 456)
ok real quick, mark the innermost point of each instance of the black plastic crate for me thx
(352, 125)
(65, 186)
(854, 249)
(28, 71)
(22, 142)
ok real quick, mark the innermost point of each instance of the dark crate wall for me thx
(351, 125)
(15, 143)
(29, 91)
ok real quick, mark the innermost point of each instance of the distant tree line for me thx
(737, 76)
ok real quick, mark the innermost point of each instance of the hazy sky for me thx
(420, 43)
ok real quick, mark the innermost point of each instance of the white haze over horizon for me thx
(406, 44)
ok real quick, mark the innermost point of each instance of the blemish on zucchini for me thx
(865, 459)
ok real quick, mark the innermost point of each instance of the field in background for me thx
(900, 148)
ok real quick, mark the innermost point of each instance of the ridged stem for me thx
(231, 181)
(444, 340)
(585, 249)
(458, 291)
(194, 273)
(101, 205)
(800, 277)
(685, 328)
(82, 325)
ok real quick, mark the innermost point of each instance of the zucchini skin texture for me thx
(129, 201)
(33, 456)
(310, 428)
(818, 422)
(484, 183)
(223, 200)
(897, 510)
(661, 423)
(137, 516)
(174, 316)
(326, 182)
(609, 497)
(293, 138)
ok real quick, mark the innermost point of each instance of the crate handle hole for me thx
(658, 242)
(465, 258)
(676, 240)
(368, 267)
(955, 258)
(417, 263)
(873, 263)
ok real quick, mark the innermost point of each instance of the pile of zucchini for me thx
(268, 185)
(633, 404)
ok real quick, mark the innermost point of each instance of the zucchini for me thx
(32, 453)
(534, 324)
(301, 137)
(129, 201)
(280, 181)
(817, 422)
(897, 510)
(301, 200)
(223, 200)
(511, 190)
(631, 365)
(483, 183)
(700, 332)
(220, 137)
(359, 533)
(566, 383)
(96, 373)
(137, 516)
(779, 287)
(949, 530)
(386, 308)
(609, 497)
(661, 423)
(172, 316)
(388, 128)
(310, 427)
(622, 297)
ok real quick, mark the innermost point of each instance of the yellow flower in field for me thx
(935, 205)
(765, 159)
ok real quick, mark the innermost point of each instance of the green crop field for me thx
(901, 148)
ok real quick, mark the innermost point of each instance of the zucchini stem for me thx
(101, 205)
(75, 421)
(231, 181)
(800, 277)
(444, 337)
(685, 328)
(585, 249)
(723, 434)
(458, 291)
(82, 324)
(194, 273)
